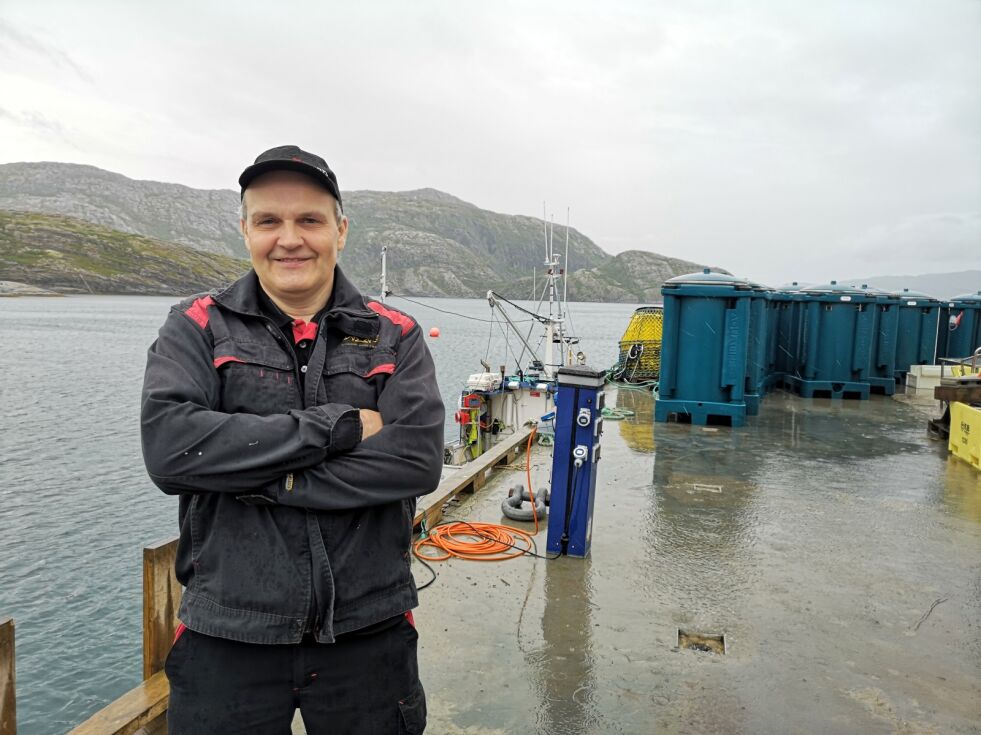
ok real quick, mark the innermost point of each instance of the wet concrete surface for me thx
(815, 539)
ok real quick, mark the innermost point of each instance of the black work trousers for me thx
(366, 684)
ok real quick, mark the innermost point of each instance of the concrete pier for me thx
(835, 546)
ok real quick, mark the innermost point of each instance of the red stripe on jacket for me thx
(388, 368)
(393, 316)
(198, 313)
(219, 361)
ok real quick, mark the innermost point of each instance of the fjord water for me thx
(76, 507)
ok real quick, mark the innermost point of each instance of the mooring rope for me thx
(452, 313)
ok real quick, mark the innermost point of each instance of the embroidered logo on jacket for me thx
(362, 341)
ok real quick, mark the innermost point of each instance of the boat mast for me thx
(384, 283)
(549, 326)
(556, 271)
(554, 321)
(566, 359)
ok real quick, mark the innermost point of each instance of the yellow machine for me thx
(965, 433)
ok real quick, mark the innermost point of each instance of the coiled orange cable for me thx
(474, 541)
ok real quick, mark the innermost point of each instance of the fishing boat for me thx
(496, 403)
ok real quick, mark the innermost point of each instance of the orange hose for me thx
(481, 541)
(531, 493)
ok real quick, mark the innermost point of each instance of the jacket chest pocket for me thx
(255, 378)
(357, 378)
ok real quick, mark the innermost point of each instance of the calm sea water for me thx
(76, 507)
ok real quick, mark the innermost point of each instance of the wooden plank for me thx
(961, 393)
(161, 600)
(430, 507)
(8, 701)
(142, 707)
(157, 727)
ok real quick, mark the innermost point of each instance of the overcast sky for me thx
(782, 140)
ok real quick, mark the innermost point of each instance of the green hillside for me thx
(69, 255)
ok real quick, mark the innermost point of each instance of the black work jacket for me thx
(289, 521)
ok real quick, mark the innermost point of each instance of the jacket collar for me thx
(347, 313)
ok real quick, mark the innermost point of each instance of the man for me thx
(298, 422)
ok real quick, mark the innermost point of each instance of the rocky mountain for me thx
(438, 245)
(69, 255)
(633, 275)
(202, 219)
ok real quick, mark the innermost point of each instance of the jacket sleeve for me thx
(403, 460)
(189, 446)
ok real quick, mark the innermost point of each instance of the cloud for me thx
(38, 123)
(13, 42)
(942, 237)
(779, 140)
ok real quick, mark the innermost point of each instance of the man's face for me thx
(293, 237)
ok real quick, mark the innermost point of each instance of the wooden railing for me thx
(8, 678)
(472, 478)
(145, 707)
(161, 598)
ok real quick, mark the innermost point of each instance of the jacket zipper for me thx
(278, 336)
(281, 340)
(314, 613)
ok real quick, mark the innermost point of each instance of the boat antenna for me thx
(545, 225)
(556, 271)
(551, 236)
(565, 264)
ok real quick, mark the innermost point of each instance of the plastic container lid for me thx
(918, 295)
(708, 278)
(880, 293)
(836, 288)
(970, 298)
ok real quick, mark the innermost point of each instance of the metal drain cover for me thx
(706, 642)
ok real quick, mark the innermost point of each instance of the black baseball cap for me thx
(292, 158)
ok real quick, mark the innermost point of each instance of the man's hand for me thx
(371, 423)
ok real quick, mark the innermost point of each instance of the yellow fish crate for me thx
(965, 433)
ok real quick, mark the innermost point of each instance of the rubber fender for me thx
(514, 507)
